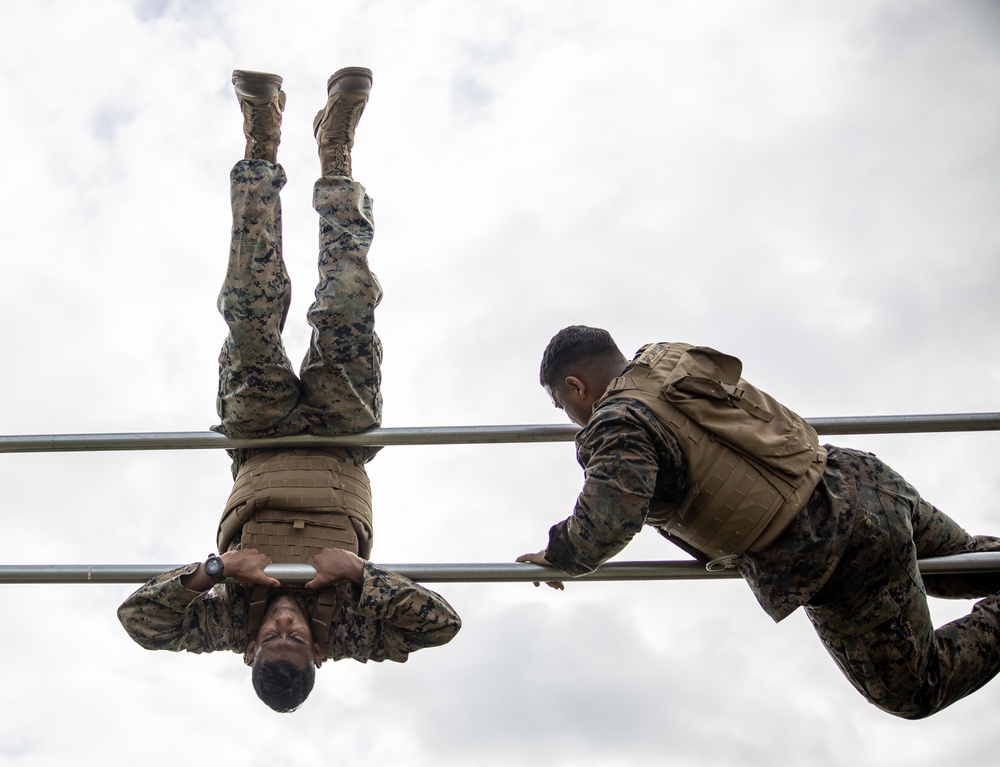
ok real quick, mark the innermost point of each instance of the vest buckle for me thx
(728, 562)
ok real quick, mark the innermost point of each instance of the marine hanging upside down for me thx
(676, 439)
(295, 505)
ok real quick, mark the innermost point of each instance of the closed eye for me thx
(275, 637)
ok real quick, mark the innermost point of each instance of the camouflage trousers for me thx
(337, 390)
(872, 614)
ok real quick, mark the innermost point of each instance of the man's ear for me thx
(248, 655)
(317, 655)
(576, 385)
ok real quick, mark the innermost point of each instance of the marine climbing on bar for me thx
(678, 440)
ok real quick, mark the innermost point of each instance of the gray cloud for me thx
(812, 188)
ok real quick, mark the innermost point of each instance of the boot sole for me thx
(348, 72)
(256, 77)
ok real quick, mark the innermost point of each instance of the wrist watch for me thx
(215, 567)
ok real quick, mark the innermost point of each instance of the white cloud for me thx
(812, 187)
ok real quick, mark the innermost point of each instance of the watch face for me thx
(214, 566)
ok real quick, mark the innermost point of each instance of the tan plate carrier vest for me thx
(292, 504)
(752, 463)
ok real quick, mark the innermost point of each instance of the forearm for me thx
(154, 614)
(619, 451)
(166, 615)
(602, 524)
(199, 580)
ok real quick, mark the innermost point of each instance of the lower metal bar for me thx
(451, 435)
(504, 572)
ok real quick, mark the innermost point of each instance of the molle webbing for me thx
(752, 463)
(292, 504)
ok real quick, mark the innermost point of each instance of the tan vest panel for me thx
(752, 463)
(292, 504)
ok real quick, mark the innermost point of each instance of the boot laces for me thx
(343, 119)
(260, 122)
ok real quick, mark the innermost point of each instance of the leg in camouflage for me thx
(935, 534)
(873, 617)
(258, 390)
(338, 389)
(341, 371)
(341, 374)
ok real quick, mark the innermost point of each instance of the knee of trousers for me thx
(882, 650)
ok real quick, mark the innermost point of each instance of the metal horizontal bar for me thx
(504, 572)
(193, 440)
(451, 435)
(906, 424)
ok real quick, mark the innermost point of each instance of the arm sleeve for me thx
(621, 466)
(407, 616)
(163, 615)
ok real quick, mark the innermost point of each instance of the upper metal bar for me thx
(193, 440)
(906, 424)
(458, 573)
(453, 435)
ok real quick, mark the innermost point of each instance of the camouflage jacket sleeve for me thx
(393, 617)
(628, 457)
(163, 615)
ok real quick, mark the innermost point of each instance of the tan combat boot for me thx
(262, 102)
(347, 91)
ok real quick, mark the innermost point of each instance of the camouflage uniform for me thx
(338, 388)
(849, 557)
(386, 618)
(336, 392)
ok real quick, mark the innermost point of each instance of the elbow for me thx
(446, 632)
(134, 628)
(126, 617)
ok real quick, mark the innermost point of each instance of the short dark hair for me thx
(282, 685)
(571, 346)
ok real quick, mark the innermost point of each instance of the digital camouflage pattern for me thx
(386, 618)
(849, 557)
(620, 450)
(872, 614)
(336, 392)
(338, 389)
(631, 459)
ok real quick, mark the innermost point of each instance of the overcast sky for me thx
(812, 187)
